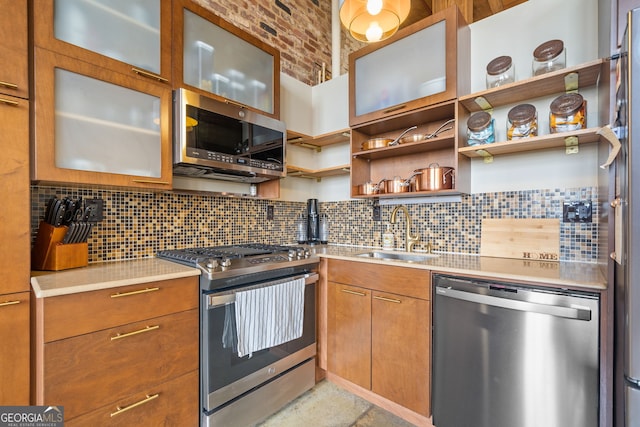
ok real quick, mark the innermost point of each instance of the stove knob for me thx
(225, 262)
(300, 253)
(213, 263)
(307, 254)
(291, 254)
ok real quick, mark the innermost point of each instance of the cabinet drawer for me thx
(87, 371)
(398, 280)
(14, 351)
(176, 404)
(70, 315)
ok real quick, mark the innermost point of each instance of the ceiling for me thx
(481, 8)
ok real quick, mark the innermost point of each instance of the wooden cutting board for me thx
(527, 238)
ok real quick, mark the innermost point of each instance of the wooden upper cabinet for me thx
(131, 37)
(96, 126)
(14, 72)
(215, 58)
(422, 64)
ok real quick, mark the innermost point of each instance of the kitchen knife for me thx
(51, 219)
(49, 209)
(59, 217)
(70, 235)
(86, 232)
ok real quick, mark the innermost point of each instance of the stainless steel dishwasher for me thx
(507, 355)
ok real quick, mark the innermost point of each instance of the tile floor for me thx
(327, 405)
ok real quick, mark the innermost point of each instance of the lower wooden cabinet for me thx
(14, 349)
(379, 339)
(137, 364)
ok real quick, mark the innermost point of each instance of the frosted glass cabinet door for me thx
(102, 127)
(218, 61)
(95, 126)
(126, 30)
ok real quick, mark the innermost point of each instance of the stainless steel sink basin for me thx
(398, 256)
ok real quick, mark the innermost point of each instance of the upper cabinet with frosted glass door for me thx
(129, 36)
(422, 64)
(215, 58)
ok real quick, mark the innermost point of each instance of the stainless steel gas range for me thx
(241, 390)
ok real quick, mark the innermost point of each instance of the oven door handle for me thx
(218, 300)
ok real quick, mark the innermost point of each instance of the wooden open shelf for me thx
(299, 172)
(319, 141)
(554, 140)
(535, 87)
(437, 143)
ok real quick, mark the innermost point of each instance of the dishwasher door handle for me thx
(553, 310)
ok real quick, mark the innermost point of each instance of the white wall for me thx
(517, 32)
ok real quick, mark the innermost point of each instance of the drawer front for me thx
(88, 371)
(174, 403)
(407, 281)
(70, 315)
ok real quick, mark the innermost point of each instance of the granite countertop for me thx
(106, 275)
(564, 274)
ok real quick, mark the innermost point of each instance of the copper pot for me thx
(397, 185)
(372, 143)
(370, 188)
(434, 178)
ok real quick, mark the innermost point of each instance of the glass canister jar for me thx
(480, 129)
(549, 56)
(522, 122)
(567, 112)
(500, 71)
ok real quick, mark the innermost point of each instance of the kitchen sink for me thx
(398, 256)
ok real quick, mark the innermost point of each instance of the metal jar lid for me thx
(548, 50)
(498, 65)
(522, 114)
(478, 121)
(567, 104)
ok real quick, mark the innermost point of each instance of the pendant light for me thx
(373, 20)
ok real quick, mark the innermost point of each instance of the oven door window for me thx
(224, 365)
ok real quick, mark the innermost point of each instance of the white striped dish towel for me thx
(267, 317)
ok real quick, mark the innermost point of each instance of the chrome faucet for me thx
(410, 239)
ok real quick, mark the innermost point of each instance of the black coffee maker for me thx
(313, 221)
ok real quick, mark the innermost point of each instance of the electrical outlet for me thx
(579, 211)
(95, 207)
(377, 213)
(269, 212)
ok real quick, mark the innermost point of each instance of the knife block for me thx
(49, 253)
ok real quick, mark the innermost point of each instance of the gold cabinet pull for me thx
(8, 101)
(149, 181)
(149, 75)
(119, 336)
(347, 291)
(397, 301)
(147, 399)
(3, 304)
(9, 85)
(391, 110)
(140, 291)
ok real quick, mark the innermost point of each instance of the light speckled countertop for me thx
(122, 273)
(106, 275)
(564, 274)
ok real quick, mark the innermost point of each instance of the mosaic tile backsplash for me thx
(138, 224)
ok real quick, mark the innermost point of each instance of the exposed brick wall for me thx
(302, 30)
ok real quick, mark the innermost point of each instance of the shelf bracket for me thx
(307, 145)
(486, 156)
(484, 104)
(571, 82)
(571, 145)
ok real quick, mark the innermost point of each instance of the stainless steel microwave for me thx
(223, 140)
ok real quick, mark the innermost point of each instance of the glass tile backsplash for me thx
(138, 224)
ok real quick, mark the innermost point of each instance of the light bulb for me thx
(374, 7)
(374, 32)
